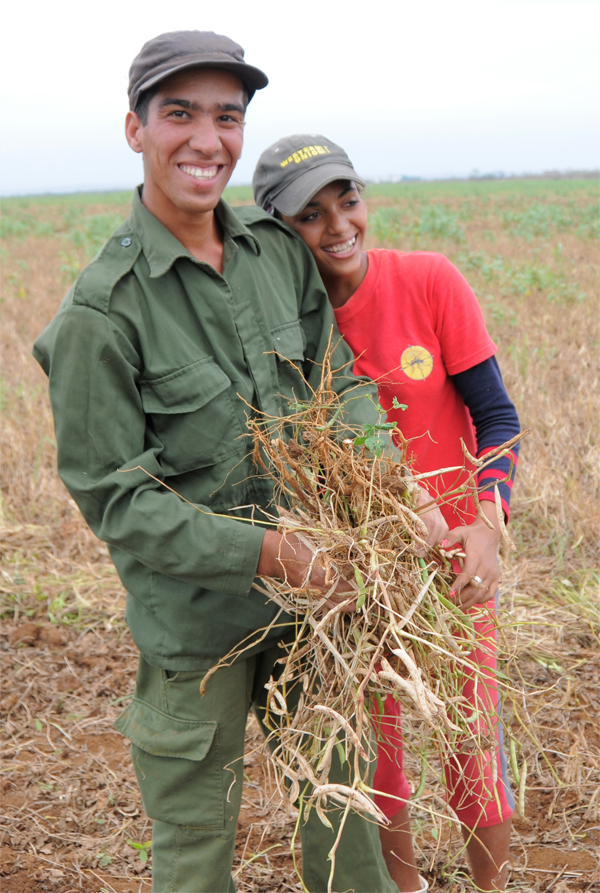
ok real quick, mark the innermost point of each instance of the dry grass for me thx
(529, 252)
(356, 510)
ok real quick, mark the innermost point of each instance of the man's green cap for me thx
(290, 172)
(169, 53)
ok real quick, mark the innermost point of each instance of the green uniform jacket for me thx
(150, 359)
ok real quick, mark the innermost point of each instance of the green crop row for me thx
(520, 278)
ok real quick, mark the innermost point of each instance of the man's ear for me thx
(134, 132)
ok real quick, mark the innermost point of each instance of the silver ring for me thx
(477, 579)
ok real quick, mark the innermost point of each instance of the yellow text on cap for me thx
(304, 154)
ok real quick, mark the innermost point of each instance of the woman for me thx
(415, 326)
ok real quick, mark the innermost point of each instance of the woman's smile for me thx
(342, 249)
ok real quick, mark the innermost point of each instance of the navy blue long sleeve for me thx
(496, 421)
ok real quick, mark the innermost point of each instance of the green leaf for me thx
(341, 752)
(398, 405)
(361, 585)
(143, 856)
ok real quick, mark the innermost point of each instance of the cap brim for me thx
(299, 192)
(253, 78)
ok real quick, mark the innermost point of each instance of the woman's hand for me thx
(288, 558)
(478, 581)
(437, 529)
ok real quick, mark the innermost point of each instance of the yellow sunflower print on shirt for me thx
(416, 362)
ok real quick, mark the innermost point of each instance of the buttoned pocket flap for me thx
(162, 735)
(288, 342)
(184, 390)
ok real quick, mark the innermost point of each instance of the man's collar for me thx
(161, 248)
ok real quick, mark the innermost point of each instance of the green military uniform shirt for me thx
(153, 360)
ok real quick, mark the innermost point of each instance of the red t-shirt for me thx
(413, 322)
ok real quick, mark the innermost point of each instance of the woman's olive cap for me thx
(294, 169)
(168, 53)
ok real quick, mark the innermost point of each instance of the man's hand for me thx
(478, 581)
(432, 517)
(288, 558)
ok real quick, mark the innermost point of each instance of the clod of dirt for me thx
(53, 636)
(7, 703)
(26, 634)
(560, 859)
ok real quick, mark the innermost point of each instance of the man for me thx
(186, 318)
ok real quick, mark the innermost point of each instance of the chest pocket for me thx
(288, 344)
(193, 416)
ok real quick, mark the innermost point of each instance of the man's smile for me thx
(200, 173)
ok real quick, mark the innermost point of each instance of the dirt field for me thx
(70, 813)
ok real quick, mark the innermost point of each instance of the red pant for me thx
(475, 797)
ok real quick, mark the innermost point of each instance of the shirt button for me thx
(126, 242)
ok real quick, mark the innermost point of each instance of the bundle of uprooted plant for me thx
(353, 501)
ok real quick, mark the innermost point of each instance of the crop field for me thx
(70, 812)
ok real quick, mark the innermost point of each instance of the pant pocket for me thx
(178, 767)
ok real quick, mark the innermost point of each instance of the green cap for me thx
(169, 53)
(292, 170)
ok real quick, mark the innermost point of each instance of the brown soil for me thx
(68, 796)
(70, 803)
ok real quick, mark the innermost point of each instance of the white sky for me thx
(428, 88)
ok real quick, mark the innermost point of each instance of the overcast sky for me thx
(428, 88)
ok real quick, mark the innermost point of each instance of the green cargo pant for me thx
(187, 751)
